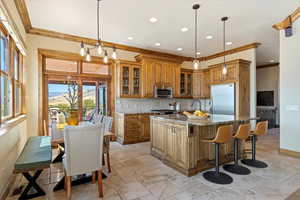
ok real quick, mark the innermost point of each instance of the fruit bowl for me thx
(197, 115)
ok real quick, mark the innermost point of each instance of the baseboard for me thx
(290, 153)
(8, 188)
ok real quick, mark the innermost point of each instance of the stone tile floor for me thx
(136, 175)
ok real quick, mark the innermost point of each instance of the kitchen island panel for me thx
(178, 144)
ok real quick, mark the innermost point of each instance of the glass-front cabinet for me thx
(130, 80)
(186, 83)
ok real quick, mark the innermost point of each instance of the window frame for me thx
(15, 82)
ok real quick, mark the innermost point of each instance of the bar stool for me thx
(242, 134)
(224, 135)
(261, 128)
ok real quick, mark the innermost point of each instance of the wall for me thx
(146, 105)
(289, 89)
(11, 144)
(267, 79)
(11, 140)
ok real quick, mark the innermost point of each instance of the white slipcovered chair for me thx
(107, 123)
(97, 118)
(83, 153)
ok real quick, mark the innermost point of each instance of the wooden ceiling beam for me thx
(288, 21)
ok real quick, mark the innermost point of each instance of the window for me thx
(6, 97)
(95, 68)
(11, 77)
(61, 65)
(4, 53)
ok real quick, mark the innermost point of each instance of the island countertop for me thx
(214, 119)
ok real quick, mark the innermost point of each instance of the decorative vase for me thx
(73, 118)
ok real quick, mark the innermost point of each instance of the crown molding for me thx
(288, 21)
(233, 51)
(73, 38)
(23, 12)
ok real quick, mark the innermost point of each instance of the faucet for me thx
(195, 101)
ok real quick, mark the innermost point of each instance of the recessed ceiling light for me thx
(130, 38)
(179, 49)
(184, 29)
(198, 53)
(228, 43)
(271, 61)
(153, 19)
(157, 44)
(209, 37)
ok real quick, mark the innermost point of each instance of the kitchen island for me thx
(176, 140)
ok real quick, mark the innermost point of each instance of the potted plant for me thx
(72, 97)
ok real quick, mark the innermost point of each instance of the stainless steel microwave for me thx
(163, 91)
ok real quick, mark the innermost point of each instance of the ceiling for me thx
(249, 21)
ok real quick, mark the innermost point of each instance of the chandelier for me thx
(99, 47)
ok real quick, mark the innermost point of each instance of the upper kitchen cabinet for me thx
(129, 74)
(158, 70)
(186, 83)
(201, 84)
(217, 76)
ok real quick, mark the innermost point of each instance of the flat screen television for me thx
(265, 98)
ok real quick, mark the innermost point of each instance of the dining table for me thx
(57, 135)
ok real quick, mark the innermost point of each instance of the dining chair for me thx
(97, 118)
(107, 122)
(83, 153)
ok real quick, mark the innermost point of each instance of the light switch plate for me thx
(292, 107)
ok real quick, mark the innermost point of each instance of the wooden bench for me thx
(35, 156)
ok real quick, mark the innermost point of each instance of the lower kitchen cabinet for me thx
(132, 128)
(170, 141)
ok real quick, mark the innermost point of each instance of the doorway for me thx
(69, 82)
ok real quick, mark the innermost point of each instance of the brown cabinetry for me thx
(201, 84)
(217, 76)
(186, 83)
(169, 140)
(158, 70)
(132, 128)
(129, 80)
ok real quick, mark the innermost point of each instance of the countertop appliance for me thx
(223, 99)
(163, 91)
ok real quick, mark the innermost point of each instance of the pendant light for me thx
(105, 58)
(196, 62)
(224, 70)
(86, 51)
(88, 57)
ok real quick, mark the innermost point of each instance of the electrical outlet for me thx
(292, 108)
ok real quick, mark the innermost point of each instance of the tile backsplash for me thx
(129, 105)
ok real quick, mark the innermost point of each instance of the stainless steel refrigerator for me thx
(223, 99)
